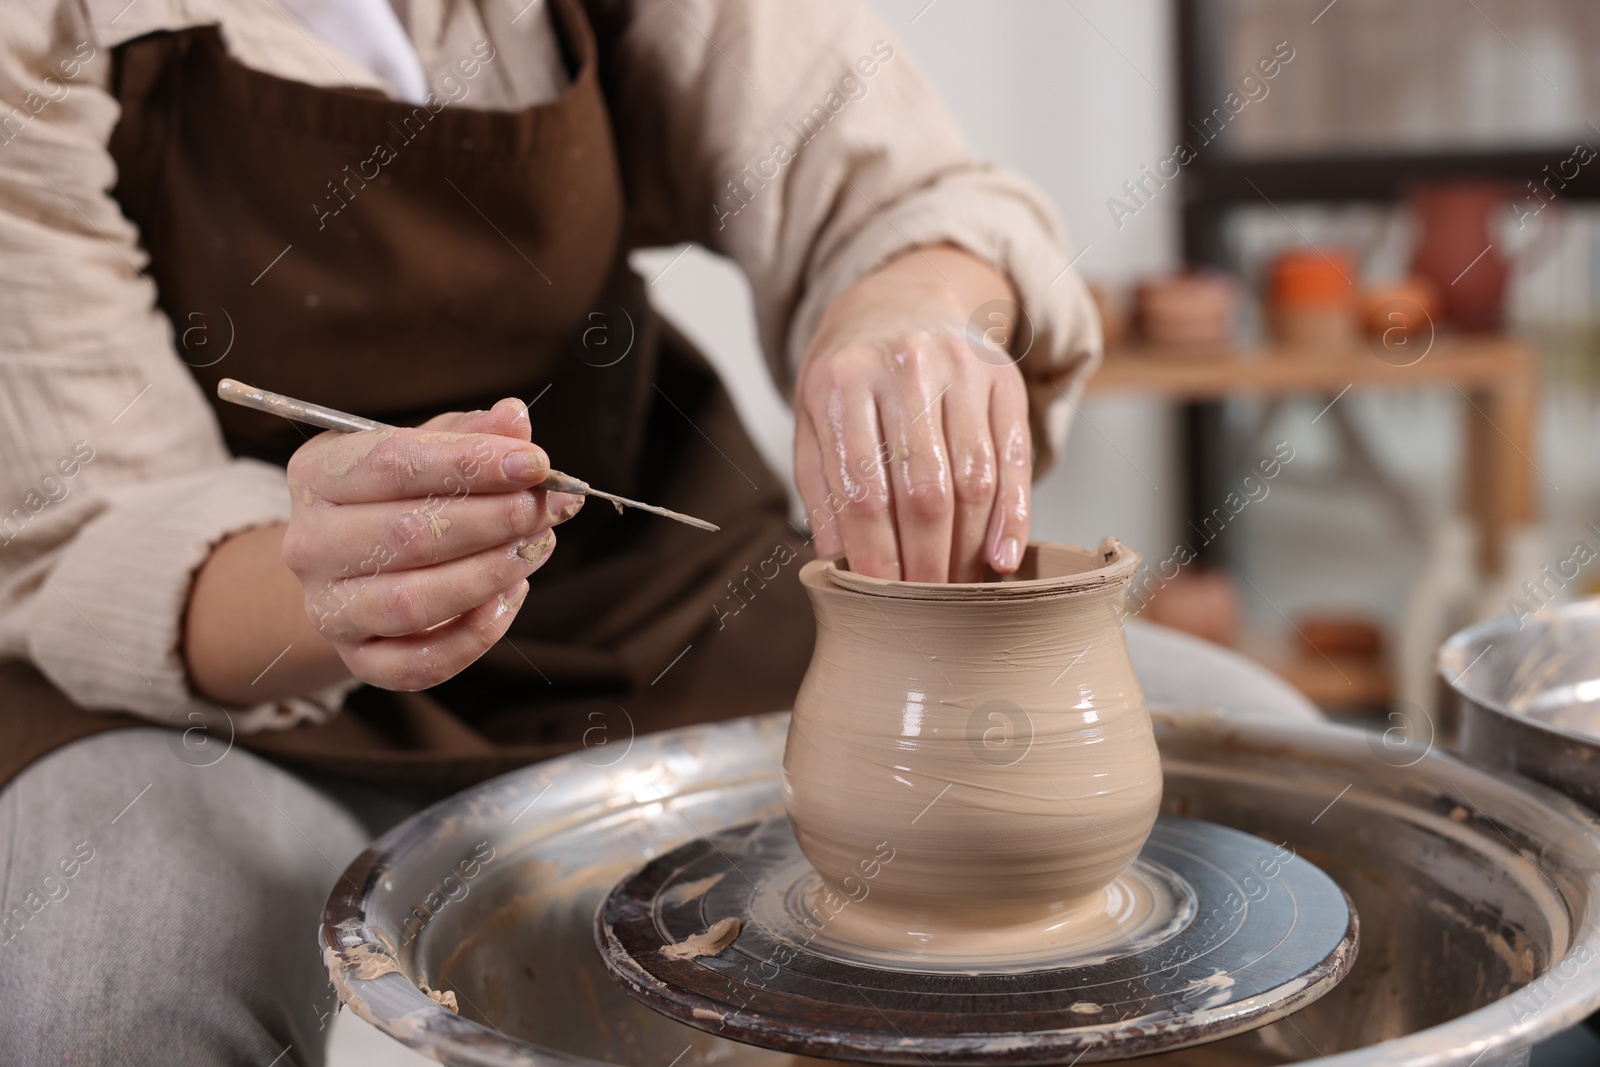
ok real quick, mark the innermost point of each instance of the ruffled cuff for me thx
(106, 623)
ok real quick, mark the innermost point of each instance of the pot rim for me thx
(1117, 563)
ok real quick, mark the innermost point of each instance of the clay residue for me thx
(684, 892)
(1515, 954)
(349, 454)
(443, 997)
(549, 889)
(437, 523)
(1214, 989)
(719, 936)
(535, 550)
(365, 962)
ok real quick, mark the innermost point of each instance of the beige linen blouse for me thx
(114, 481)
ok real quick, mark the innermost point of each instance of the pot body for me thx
(983, 751)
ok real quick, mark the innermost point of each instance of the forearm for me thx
(247, 637)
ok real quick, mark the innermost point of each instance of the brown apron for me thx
(399, 261)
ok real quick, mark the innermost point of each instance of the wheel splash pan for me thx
(1479, 897)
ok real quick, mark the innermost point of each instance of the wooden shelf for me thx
(1496, 376)
(1214, 372)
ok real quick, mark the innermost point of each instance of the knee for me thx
(175, 906)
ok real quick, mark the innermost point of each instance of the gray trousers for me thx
(161, 908)
(157, 911)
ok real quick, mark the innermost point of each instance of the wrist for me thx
(931, 287)
(246, 636)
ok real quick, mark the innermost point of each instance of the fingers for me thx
(406, 463)
(822, 508)
(425, 659)
(924, 502)
(973, 478)
(915, 462)
(1008, 425)
(401, 534)
(414, 545)
(845, 418)
(508, 418)
(397, 603)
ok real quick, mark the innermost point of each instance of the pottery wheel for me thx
(1255, 933)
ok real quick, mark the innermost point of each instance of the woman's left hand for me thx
(912, 448)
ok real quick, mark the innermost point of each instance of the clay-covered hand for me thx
(912, 449)
(414, 546)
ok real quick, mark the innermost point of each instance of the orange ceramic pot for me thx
(1311, 299)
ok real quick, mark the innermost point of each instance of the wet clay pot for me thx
(974, 758)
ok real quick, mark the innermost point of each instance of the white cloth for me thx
(369, 32)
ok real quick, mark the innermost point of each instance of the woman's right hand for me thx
(414, 546)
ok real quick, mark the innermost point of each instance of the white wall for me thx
(1076, 95)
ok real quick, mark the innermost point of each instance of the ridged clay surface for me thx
(994, 738)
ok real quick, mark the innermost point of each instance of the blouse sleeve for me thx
(116, 484)
(802, 141)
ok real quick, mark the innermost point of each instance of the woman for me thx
(422, 214)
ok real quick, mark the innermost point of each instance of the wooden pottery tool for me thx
(248, 396)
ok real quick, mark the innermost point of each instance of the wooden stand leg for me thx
(1499, 463)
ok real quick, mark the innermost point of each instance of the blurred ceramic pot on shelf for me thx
(1195, 308)
(1460, 251)
(1203, 601)
(1455, 249)
(1311, 300)
(1340, 636)
(1400, 315)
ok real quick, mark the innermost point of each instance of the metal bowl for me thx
(1479, 897)
(1529, 695)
